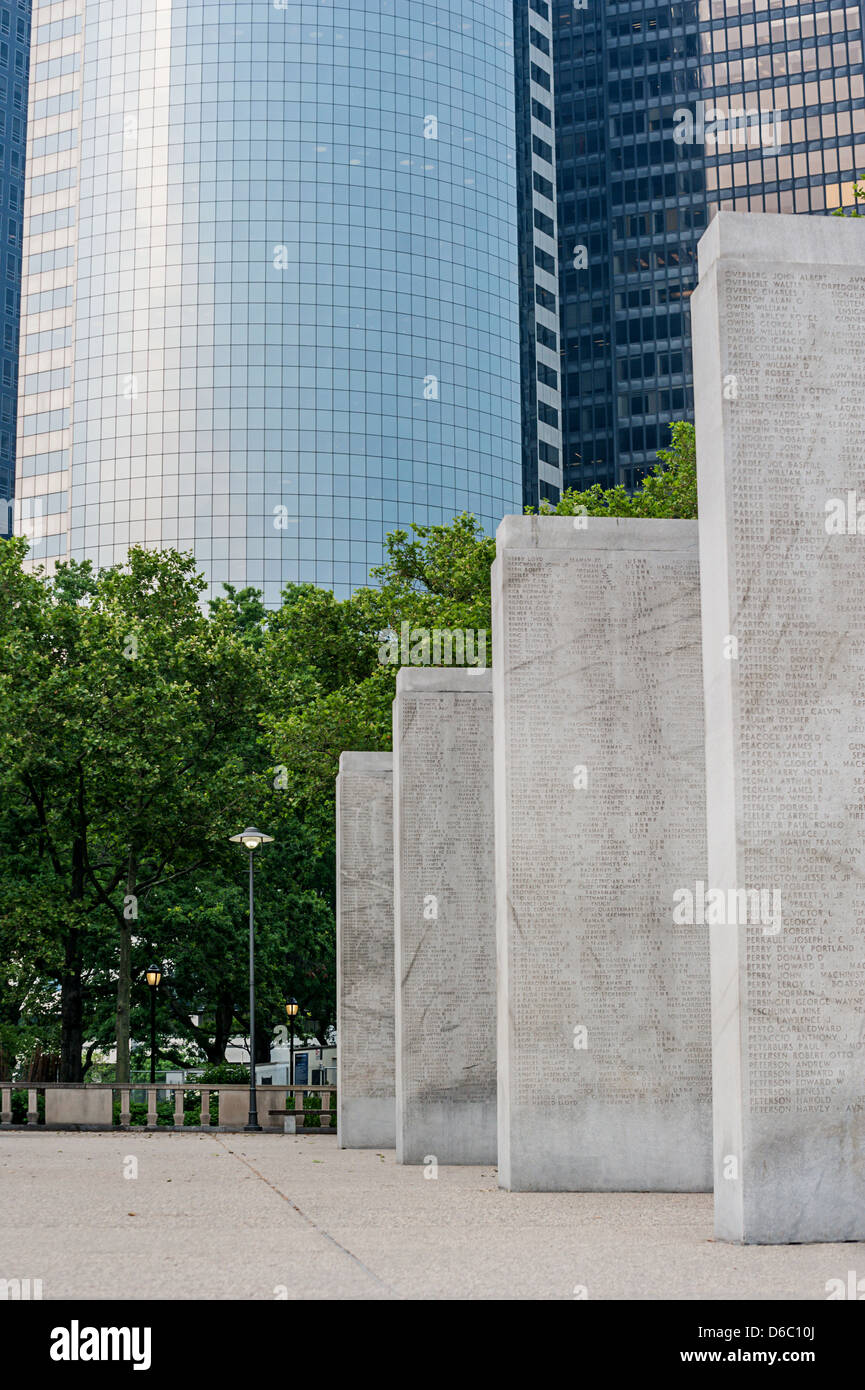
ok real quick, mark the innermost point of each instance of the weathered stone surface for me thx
(78, 1106)
(445, 916)
(366, 1105)
(780, 378)
(234, 1107)
(603, 1001)
(271, 1106)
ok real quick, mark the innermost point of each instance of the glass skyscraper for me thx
(272, 301)
(14, 58)
(801, 65)
(636, 189)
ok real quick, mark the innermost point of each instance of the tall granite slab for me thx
(603, 1000)
(780, 381)
(444, 916)
(366, 1102)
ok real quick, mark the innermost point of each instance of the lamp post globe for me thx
(251, 838)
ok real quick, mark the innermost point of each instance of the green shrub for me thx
(138, 1112)
(19, 1107)
(236, 1073)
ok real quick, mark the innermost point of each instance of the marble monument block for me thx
(366, 1104)
(445, 916)
(603, 996)
(779, 375)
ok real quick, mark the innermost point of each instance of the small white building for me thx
(313, 1066)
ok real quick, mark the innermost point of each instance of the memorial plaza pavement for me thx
(227, 1216)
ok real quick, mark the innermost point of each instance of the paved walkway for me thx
(270, 1216)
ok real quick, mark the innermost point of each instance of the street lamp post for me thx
(291, 1009)
(153, 976)
(251, 838)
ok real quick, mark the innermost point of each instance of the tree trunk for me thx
(213, 1050)
(262, 1043)
(223, 1019)
(88, 1060)
(71, 1010)
(71, 989)
(124, 972)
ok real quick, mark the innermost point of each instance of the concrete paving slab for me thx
(277, 1217)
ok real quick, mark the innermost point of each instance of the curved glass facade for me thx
(295, 321)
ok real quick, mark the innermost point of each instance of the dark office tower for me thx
(14, 61)
(663, 114)
(631, 209)
(784, 108)
(540, 365)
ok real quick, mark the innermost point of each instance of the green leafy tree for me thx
(669, 491)
(201, 935)
(331, 680)
(121, 706)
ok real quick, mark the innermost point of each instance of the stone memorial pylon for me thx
(445, 916)
(366, 1098)
(603, 989)
(779, 374)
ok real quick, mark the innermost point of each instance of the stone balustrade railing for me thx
(170, 1105)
